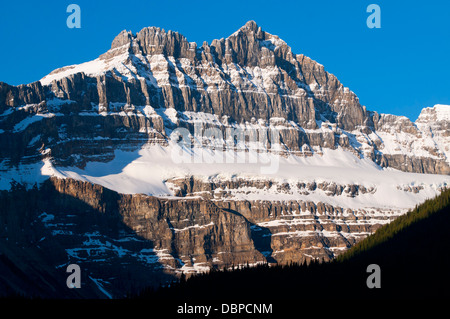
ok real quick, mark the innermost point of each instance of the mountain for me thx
(176, 158)
(149, 79)
(408, 252)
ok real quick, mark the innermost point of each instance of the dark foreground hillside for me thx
(412, 252)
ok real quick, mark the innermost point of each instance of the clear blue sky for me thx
(398, 69)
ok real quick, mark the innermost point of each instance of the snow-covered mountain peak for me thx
(250, 76)
(122, 39)
(438, 112)
(248, 46)
(242, 124)
(93, 68)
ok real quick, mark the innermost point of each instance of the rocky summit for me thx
(162, 157)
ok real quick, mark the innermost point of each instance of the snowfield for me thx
(147, 170)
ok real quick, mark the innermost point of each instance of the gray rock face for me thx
(129, 242)
(222, 189)
(251, 75)
(419, 147)
(294, 230)
(13, 96)
(122, 242)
